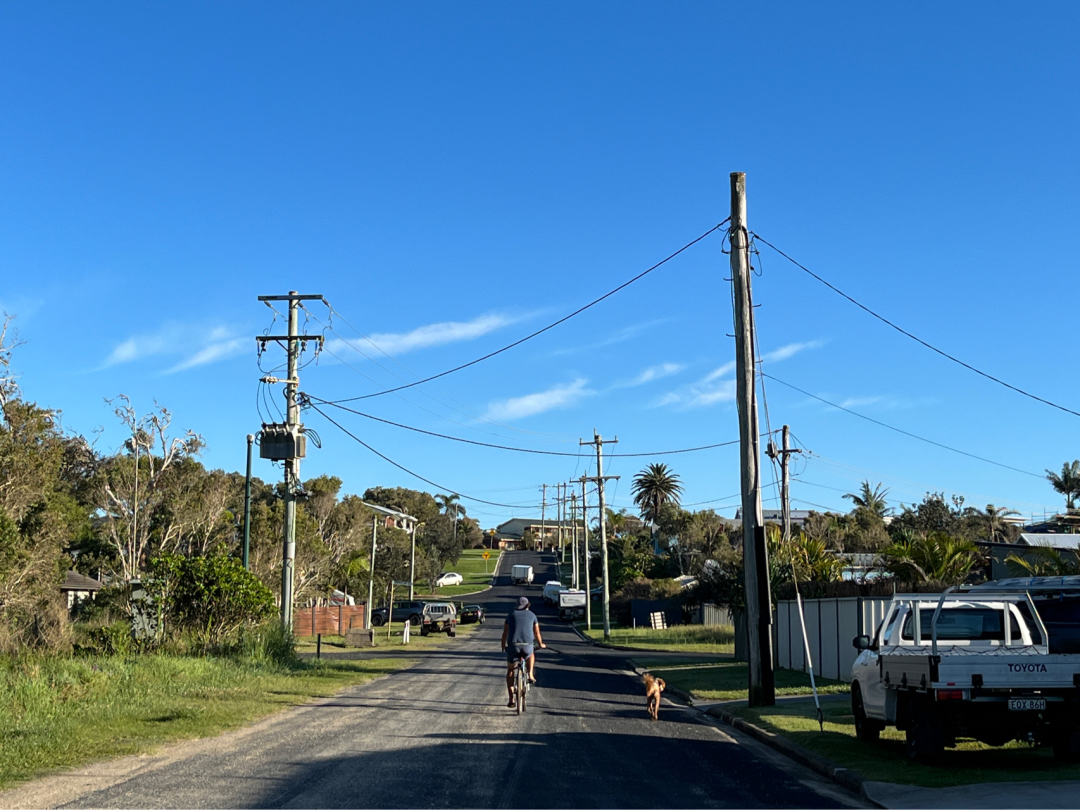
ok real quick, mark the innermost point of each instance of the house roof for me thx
(515, 527)
(74, 581)
(1069, 541)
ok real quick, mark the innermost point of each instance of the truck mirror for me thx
(861, 643)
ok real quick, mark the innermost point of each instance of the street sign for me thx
(486, 555)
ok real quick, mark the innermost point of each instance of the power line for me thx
(417, 475)
(565, 318)
(919, 340)
(310, 397)
(898, 430)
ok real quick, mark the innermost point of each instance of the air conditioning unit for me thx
(280, 442)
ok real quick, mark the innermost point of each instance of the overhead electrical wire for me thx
(404, 469)
(917, 339)
(538, 332)
(312, 399)
(898, 430)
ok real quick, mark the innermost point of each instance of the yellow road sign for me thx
(486, 555)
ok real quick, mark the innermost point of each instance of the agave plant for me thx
(936, 557)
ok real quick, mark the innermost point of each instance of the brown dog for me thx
(653, 688)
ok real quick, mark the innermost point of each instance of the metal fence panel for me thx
(828, 663)
(847, 629)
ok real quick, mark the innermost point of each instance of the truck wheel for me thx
(924, 737)
(1063, 750)
(866, 730)
(452, 633)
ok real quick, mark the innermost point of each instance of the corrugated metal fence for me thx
(831, 624)
(329, 621)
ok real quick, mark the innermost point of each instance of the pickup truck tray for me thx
(1001, 668)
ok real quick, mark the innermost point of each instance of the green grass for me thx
(471, 567)
(307, 644)
(886, 761)
(60, 712)
(728, 681)
(684, 638)
(668, 663)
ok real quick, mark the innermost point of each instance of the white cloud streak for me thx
(657, 372)
(790, 350)
(196, 344)
(436, 334)
(556, 397)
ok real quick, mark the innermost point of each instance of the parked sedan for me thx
(449, 578)
(470, 614)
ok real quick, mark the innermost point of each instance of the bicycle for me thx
(521, 682)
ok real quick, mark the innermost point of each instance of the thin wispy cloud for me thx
(431, 335)
(624, 334)
(193, 343)
(790, 350)
(556, 397)
(657, 372)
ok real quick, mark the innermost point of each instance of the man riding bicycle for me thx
(519, 630)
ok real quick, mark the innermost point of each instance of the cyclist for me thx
(519, 631)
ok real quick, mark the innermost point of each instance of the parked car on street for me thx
(439, 617)
(449, 578)
(470, 614)
(413, 612)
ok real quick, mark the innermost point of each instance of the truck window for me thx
(1032, 625)
(962, 624)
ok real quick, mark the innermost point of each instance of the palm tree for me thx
(937, 557)
(450, 506)
(655, 487)
(1042, 561)
(872, 499)
(994, 520)
(1068, 483)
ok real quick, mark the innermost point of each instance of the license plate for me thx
(1027, 704)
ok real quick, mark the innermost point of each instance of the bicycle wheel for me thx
(520, 684)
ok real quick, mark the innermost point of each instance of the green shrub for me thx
(109, 639)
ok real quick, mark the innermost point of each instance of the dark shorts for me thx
(513, 650)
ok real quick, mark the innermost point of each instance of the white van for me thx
(551, 591)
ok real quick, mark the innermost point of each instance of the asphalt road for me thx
(440, 735)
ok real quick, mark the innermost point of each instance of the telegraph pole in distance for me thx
(371, 574)
(287, 442)
(755, 551)
(785, 483)
(600, 478)
(543, 514)
(586, 560)
(573, 539)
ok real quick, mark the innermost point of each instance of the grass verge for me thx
(307, 644)
(886, 761)
(684, 638)
(60, 712)
(728, 681)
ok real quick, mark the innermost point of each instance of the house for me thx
(392, 519)
(798, 516)
(79, 588)
(511, 534)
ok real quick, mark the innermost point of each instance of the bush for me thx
(212, 597)
(270, 643)
(109, 639)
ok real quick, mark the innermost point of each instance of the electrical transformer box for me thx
(280, 442)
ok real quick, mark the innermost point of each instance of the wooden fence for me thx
(328, 621)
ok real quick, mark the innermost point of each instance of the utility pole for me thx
(247, 504)
(586, 560)
(412, 562)
(287, 442)
(573, 540)
(785, 488)
(371, 574)
(755, 551)
(600, 478)
(543, 514)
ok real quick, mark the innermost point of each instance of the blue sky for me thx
(454, 176)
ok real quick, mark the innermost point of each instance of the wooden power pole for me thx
(755, 551)
(600, 478)
(785, 479)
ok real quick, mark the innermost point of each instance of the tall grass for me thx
(685, 638)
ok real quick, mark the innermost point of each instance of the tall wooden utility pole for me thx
(287, 443)
(755, 552)
(600, 478)
(585, 559)
(576, 579)
(785, 481)
(543, 515)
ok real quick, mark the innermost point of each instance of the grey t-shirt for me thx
(521, 624)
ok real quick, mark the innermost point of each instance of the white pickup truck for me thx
(972, 664)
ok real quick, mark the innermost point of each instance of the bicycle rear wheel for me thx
(520, 685)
